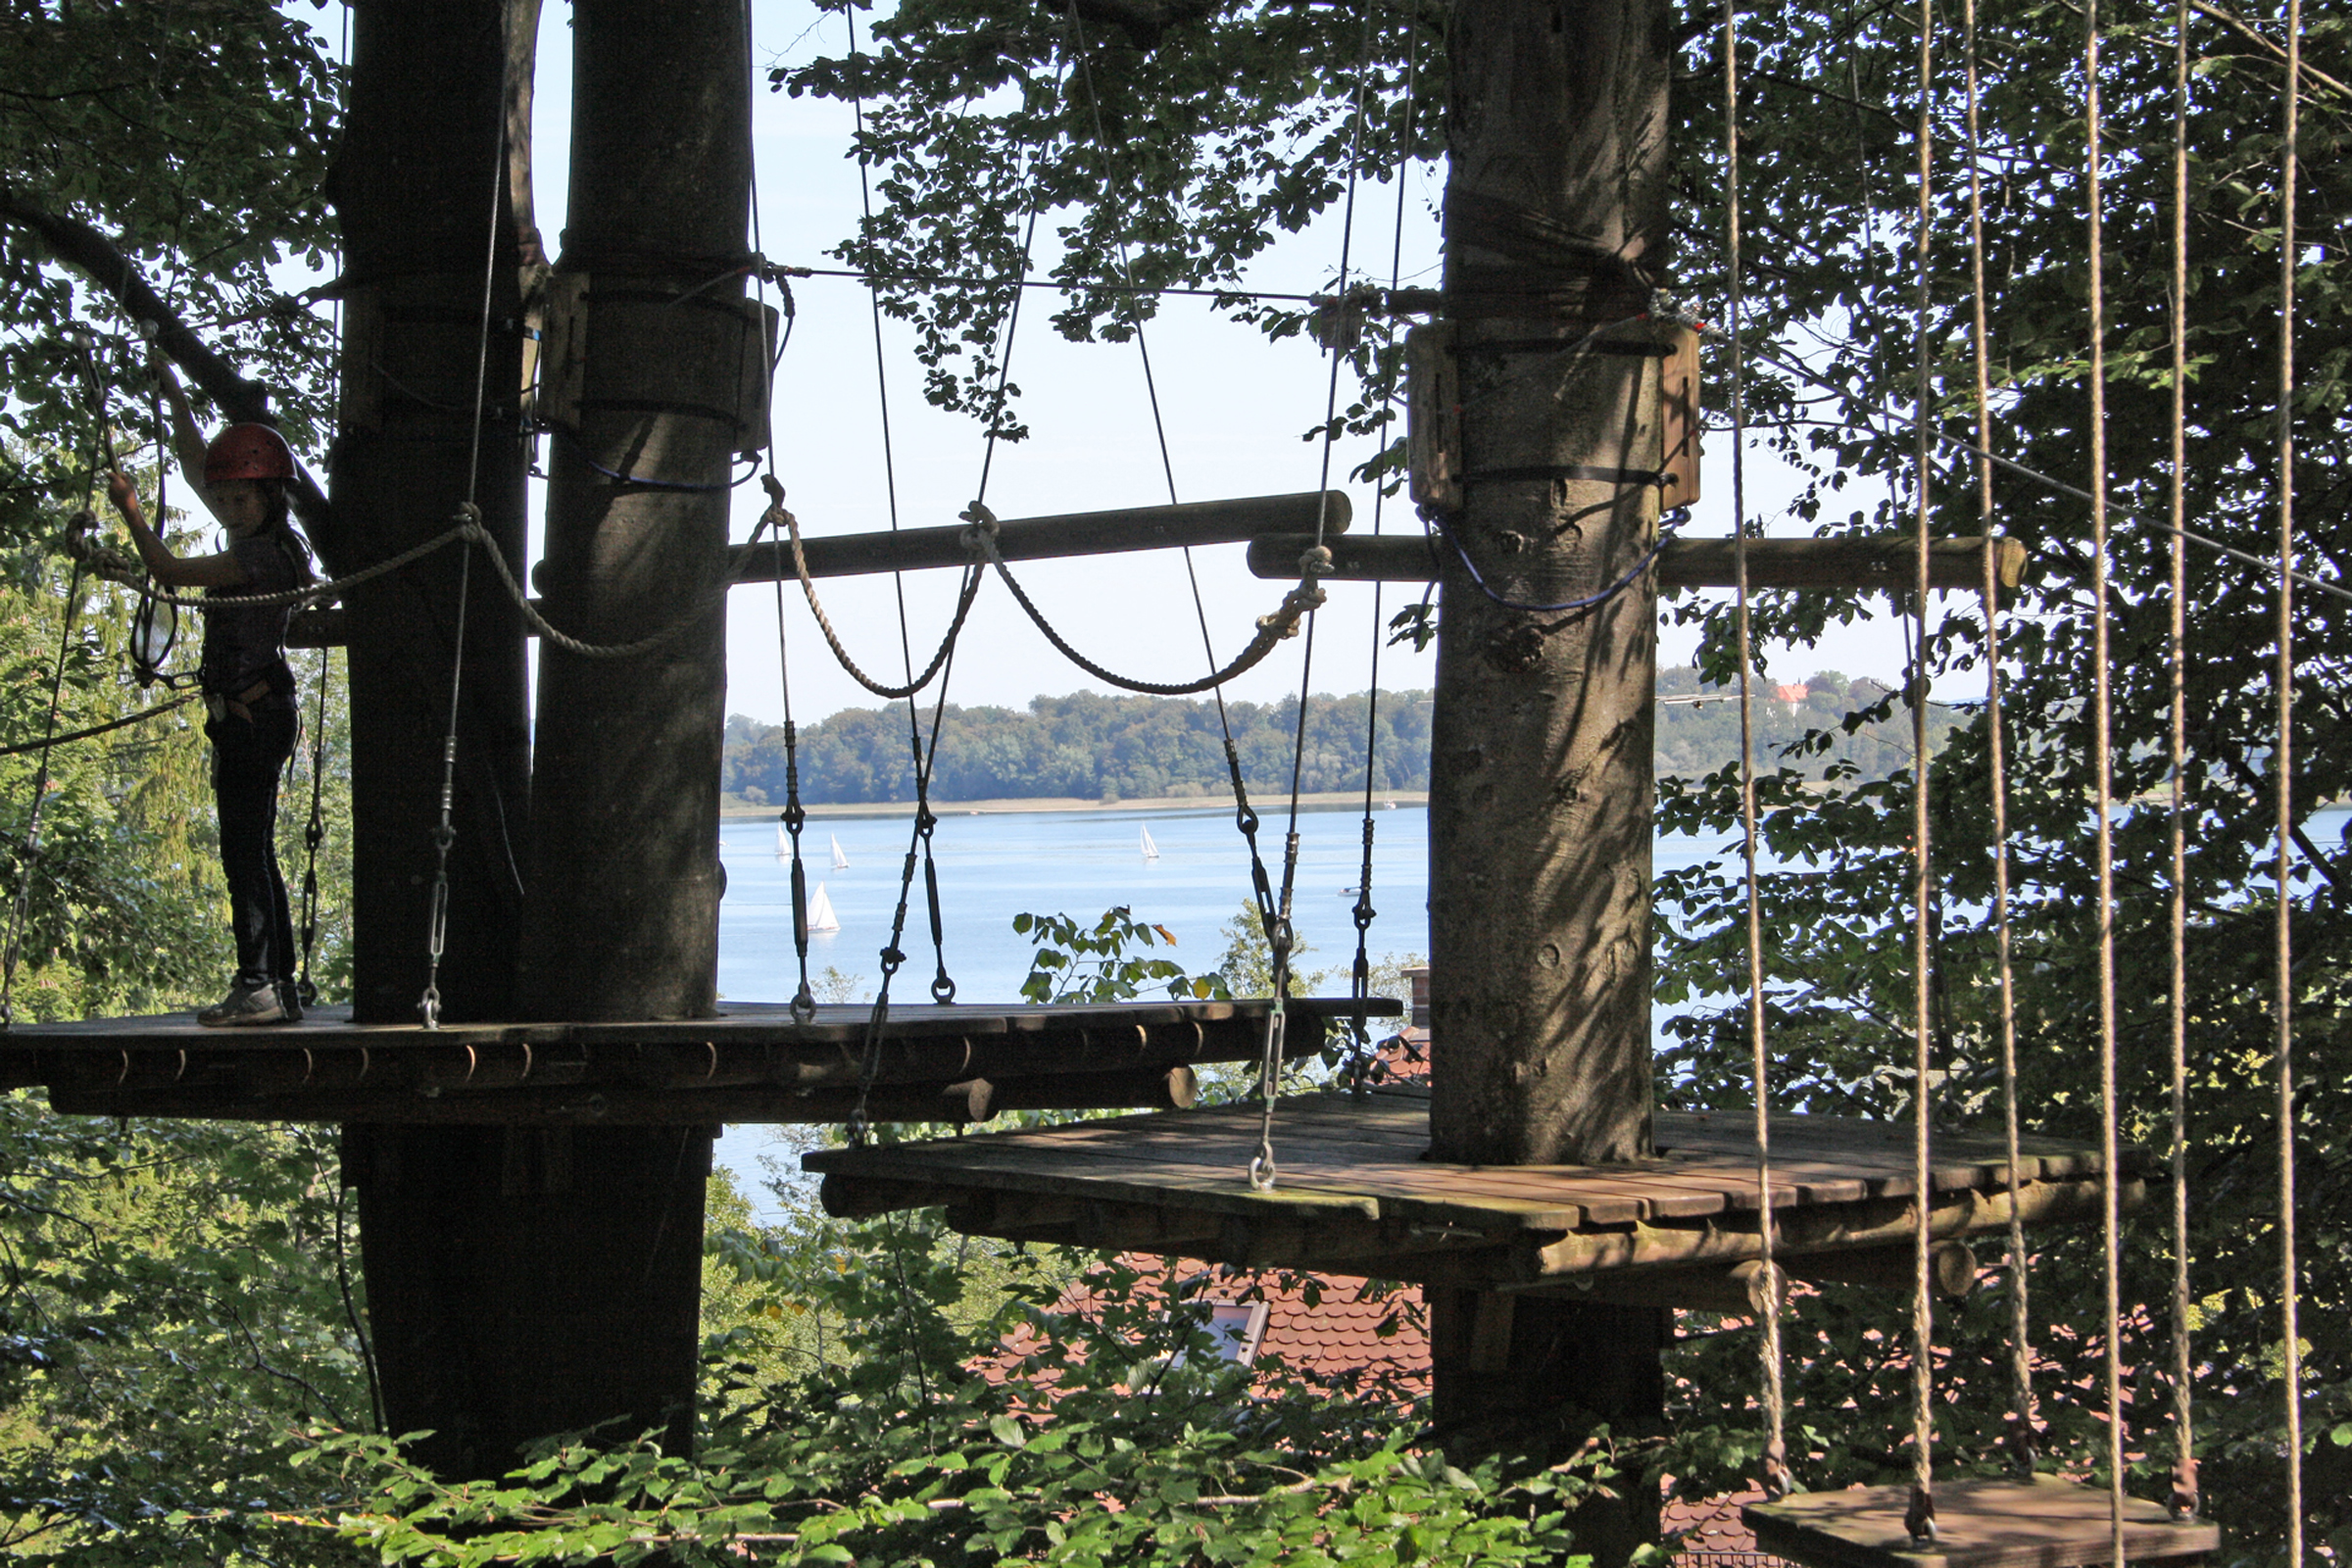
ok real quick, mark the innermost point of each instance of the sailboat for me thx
(840, 861)
(821, 912)
(783, 843)
(1150, 850)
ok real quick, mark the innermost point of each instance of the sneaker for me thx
(244, 1004)
(289, 1001)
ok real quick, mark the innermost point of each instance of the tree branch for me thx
(117, 277)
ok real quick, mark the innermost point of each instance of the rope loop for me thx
(1919, 1519)
(2185, 1503)
(1779, 1480)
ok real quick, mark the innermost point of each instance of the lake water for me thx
(996, 865)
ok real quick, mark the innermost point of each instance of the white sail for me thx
(821, 912)
(1150, 850)
(840, 861)
(783, 843)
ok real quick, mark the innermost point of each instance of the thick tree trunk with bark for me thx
(626, 880)
(1540, 819)
(417, 190)
(1541, 768)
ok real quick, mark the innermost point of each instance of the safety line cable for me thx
(2103, 784)
(794, 818)
(2184, 1503)
(1281, 938)
(468, 522)
(1363, 1063)
(2146, 519)
(2019, 1438)
(926, 822)
(1779, 1479)
(2283, 759)
(28, 844)
(111, 725)
(1246, 819)
(1920, 1518)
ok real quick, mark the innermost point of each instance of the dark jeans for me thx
(249, 756)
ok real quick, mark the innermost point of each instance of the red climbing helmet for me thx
(248, 452)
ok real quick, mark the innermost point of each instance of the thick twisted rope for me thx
(1779, 1480)
(824, 622)
(1272, 629)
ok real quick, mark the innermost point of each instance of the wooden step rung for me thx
(2041, 1522)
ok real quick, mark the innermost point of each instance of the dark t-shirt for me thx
(241, 645)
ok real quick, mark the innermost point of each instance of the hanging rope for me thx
(794, 817)
(313, 834)
(1297, 605)
(824, 623)
(2283, 759)
(2182, 1503)
(1246, 818)
(2022, 1422)
(1262, 1172)
(1920, 1517)
(2102, 786)
(1779, 1480)
(942, 987)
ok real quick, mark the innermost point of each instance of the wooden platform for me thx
(752, 1063)
(1356, 1195)
(2039, 1523)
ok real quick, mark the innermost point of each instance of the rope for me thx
(2020, 1433)
(824, 622)
(469, 521)
(794, 817)
(2103, 787)
(320, 592)
(313, 834)
(1920, 1517)
(2184, 1503)
(1363, 1063)
(1272, 629)
(2146, 519)
(2284, 937)
(30, 844)
(926, 822)
(1779, 1480)
(111, 724)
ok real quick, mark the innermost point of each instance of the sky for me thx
(1235, 408)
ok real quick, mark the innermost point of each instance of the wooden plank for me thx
(1431, 1194)
(2040, 1523)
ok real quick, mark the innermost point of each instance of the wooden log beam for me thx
(1873, 561)
(1077, 533)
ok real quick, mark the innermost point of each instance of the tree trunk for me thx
(626, 881)
(413, 187)
(1541, 767)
